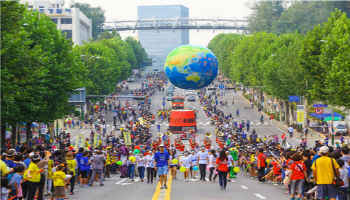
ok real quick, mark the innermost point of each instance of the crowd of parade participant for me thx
(51, 170)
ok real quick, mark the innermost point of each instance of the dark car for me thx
(191, 98)
(169, 97)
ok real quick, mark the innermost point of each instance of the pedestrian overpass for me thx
(177, 23)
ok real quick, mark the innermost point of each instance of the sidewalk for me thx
(312, 134)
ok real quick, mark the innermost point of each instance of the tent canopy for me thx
(324, 115)
(330, 119)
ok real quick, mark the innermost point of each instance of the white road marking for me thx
(265, 123)
(152, 124)
(244, 187)
(77, 136)
(257, 123)
(120, 181)
(260, 196)
(126, 183)
(200, 123)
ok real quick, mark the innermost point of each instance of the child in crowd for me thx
(16, 181)
(59, 183)
(5, 188)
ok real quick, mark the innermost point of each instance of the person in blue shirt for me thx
(158, 128)
(342, 140)
(237, 112)
(247, 124)
(162, 165)
(9, 159)
(84, 166)
(163, 98)
(326, 141)
(16, 180)
(163, 103)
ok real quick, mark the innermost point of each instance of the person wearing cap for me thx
(9, 158)
(33, 176)
(203, 160)
(162, 165)
(194, 163)
(149, 159)
(185, 161)
(323, 172)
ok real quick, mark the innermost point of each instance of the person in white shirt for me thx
(203, 160)
(230, 164)
(212, 160)
(290, 130)
(186, 161)
(194, 163)
(140, 159)
(150, 166)
(113, 129)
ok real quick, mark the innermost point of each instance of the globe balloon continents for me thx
(191, 67)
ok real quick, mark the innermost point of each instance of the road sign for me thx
(221, 86)
(293, 98)
(318, 110)
(320, 105)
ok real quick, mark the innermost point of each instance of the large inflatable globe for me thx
(191, 67)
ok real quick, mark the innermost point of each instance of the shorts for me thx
(59, 190)
(229, 168)
(162, 170)
(326, 190)
(83, 174)
(191, 168)
(297, 184)
(171, 166)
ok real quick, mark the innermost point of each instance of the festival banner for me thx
(79, 141)
(43, 129)
(96, 139)
(127, 138)
(22, 133)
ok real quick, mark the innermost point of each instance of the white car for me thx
(189, 92)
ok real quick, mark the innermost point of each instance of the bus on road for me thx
(177, 102)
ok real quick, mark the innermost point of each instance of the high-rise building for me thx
(159, 45)
(69, 20)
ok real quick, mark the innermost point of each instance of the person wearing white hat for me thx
(186, 161)
(323, 172)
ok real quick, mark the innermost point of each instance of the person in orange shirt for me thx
(261, 165)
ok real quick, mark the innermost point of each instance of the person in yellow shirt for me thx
(50, 165)
(33, 175)
(108, 164)
(71, 164)
(3, 168)
(58, 181)
(323, 172)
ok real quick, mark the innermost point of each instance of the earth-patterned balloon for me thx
(191, 67)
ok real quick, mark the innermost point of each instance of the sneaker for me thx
(186, 180)
(71, 193)
(141, 180)
(229, 180)
(147, 181)
(161, 187)
(165, 186)
(129, 179)
(175, 178)
(132, 179)
(224, 188)
(102, 185)
(275, 184)
(151, 181)
(221, 188)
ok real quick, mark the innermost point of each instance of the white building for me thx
(70, 20)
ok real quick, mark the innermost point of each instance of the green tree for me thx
(96, 14)
(264, 13)
(335, 60)
(107, 35)
(309, 58)
(139, 52)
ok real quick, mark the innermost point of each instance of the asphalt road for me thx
(242, 188)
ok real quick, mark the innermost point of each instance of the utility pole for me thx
(332, 125)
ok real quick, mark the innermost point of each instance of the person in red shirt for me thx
(261, 165)
(276, 168)
(297, 175)
(221, 165)
(284, 138)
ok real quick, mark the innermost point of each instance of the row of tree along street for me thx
(40, 68)
(315, 65)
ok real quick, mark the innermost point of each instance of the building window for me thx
(66, 20)
(53, 5)
(54, 20)
(41, 6)
(68, 34)
(58, 5)
(30, 6)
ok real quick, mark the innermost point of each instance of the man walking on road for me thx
(158, 128)
(97, 167)
(162, 165)
(290, 130)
